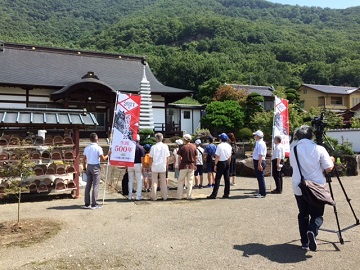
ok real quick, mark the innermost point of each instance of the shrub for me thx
(244, 134)
(174, 138)
(202, 134)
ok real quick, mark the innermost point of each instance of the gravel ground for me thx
(237, 233)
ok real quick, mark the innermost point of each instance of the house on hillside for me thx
(265, 91)
(54, 78)
(336, 98)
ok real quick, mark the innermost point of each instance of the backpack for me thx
(211, 150)
(234, 148)
(146, 161)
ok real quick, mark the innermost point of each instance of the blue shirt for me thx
(210, 150)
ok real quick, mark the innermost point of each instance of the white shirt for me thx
(176, 158)
(260, 149)
(159, 153)
(93, 152)
(200, 155)
(313, 159)
(279, 151)
(223, 151)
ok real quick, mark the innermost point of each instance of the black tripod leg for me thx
(328, 179)
(346, 196)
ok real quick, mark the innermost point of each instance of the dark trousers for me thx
(277, 175)
(93, 181)
(260, 176)
(309, 218)
(222, 168)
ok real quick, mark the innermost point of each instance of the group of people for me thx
(219, 162)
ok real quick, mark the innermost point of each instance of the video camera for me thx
(319, 126)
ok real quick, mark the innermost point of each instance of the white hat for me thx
(179, 142)
(198, 141)
(259, 133)
(187, 137)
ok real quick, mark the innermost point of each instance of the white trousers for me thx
(187, 174)
(135, 175)
(161, 176)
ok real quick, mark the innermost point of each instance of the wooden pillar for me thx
(77, 161)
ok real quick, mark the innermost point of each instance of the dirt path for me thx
(237, 233)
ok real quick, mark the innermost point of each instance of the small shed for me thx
(26, 128)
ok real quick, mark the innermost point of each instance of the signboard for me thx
(125, 130)
(281, 123)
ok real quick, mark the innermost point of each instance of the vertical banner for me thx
(281, 123)
(125, 129)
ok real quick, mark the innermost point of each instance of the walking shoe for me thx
(312, 241)
(96, 206)
(259, 196)
(86, 207)
(209, 186)
(304, 246)
(233, 184)
(200, 186)
(196, 186)
(148, 190)
(211, 197)
(225, 196)
(275, 191)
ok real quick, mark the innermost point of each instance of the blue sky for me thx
(320, 3)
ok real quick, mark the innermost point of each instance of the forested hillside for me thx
(189, 42)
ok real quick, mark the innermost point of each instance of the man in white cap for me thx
(259, 162)
(199, 165)
(187, 165)
(135, 172)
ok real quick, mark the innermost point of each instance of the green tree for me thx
(253, 106)
(207, 90)
(263, 121)
(355, 122)
(223, 116)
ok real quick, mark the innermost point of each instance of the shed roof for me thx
(54, 118)
(330, 89)
(265, 91)
(28, 65)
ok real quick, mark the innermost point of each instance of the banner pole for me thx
(110, 143)
(272, 142)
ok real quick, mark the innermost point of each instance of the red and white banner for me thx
(281, 123)
(125, 129)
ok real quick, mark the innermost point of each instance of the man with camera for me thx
(313, 160)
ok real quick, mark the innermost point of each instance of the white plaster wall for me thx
(351, 135)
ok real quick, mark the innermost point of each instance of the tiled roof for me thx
(265, 91)
(330, 89)
(56, 118)
(57, 68)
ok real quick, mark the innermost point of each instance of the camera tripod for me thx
(319, 140)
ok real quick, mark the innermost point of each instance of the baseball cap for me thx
(223, 137)
(187, 137)
(259, 133)
(179, 142)
(198, 141)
